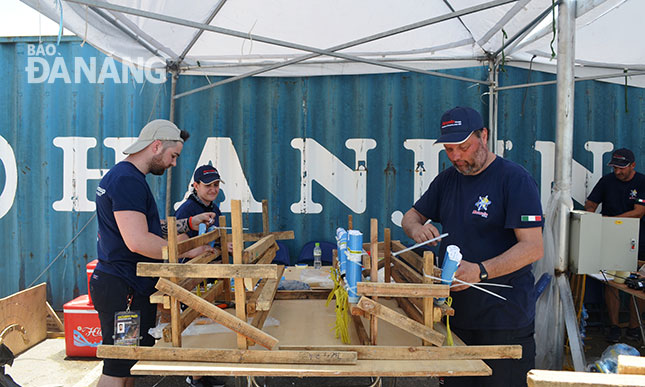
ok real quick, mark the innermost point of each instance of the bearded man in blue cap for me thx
(490, 207)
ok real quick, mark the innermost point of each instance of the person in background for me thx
(130, 231)
(622, 193)
(490, 207)
(206, 181)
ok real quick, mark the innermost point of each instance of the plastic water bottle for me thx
(317, 256)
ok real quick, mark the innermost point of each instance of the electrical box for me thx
(599, 242)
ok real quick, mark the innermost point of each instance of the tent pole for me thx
(563, 169)
(493, 78)
(579, 79)
(174, 74)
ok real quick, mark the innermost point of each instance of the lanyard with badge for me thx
(127, 326)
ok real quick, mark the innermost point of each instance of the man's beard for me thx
(156, 166)
(479, 160)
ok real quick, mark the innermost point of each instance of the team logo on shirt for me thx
(482, 206)
(99, 191)
(632, 194)
(531, 218)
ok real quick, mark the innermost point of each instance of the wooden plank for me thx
(428, 302)
(387, 246)
(253, 252)
(371, 352)
(410, 257)
(265, 299)
(374, 275)
(54, 317)
(363, 338)
(251, 300)
(26, 308)
(278, 235)
(265, 216)
(544, 378)
(313, 294)
(401, 321)
(238, 247)
(185, 270)
(197, 241)
(410, 310)
(216, 314)
(226, 355)
(633, 365)
(350, 222)
(267, 257)
(393, 289)
(406, 271)
(223, 240)
(417, 303)
(175, 307)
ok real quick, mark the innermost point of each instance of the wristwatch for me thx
(483, 274)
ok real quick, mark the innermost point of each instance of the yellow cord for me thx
(448, 333)
(341, 328)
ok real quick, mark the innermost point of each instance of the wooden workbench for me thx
(309, 322)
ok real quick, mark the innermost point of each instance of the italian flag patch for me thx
(531, 218)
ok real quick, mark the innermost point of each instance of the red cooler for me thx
(90, 269)
(82, 328)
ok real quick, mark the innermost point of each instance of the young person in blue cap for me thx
(622, 193)
(206, 181)
(491, 209)
(130, 231)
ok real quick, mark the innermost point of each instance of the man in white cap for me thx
(490, 207)
(130, 231)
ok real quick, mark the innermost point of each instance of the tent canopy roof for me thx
(607, 34)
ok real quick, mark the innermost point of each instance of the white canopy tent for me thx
(306, 38)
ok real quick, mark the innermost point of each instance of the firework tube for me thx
(341, 243)
(354, 264)
(451, 262)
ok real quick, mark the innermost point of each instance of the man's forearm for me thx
(521, 254)
(182, 227)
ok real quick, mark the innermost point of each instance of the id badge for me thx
(126, 328)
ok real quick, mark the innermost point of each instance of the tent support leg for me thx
(173, 90)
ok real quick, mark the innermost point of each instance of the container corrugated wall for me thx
(362, 141)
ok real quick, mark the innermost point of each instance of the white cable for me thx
(469, 284)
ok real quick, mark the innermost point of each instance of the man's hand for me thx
(204, 217)
(415, 226)
(468, 272)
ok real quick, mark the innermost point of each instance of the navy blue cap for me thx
(206, 174)
(621, 158)
(458, 123)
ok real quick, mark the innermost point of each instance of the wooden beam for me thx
(544, 378)
(410, 310)
(313, 294)
(387, 246)
(223, 240)
(393, 289)
(238, 247)
(216, 314)
(360, 329)
(175, 307)
(253, 252)
(265, 216)
(461, 352)
(197, 241)
(406, 271)
(278, 235)
(350, 222)
(226, 355)
(428, 301)
(634, 365)
(184, 270)
(265, 299)
(401, 321)
(410, 257)
(373, 275)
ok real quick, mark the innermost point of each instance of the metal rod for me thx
(243, 35)
(201, 31)
(420, 244)
(173, 89)
(579, 79)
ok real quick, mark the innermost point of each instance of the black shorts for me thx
(506, 372)
(110, 295)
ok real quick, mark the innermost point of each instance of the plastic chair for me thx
(282, 255)
(307, 253)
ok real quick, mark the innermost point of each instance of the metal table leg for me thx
(640, 322)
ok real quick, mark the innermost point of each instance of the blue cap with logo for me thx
(206, 174)
(457, 124)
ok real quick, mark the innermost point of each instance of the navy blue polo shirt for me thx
(193, 206)
(480, 212)
(124, 188)
(618, 197)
